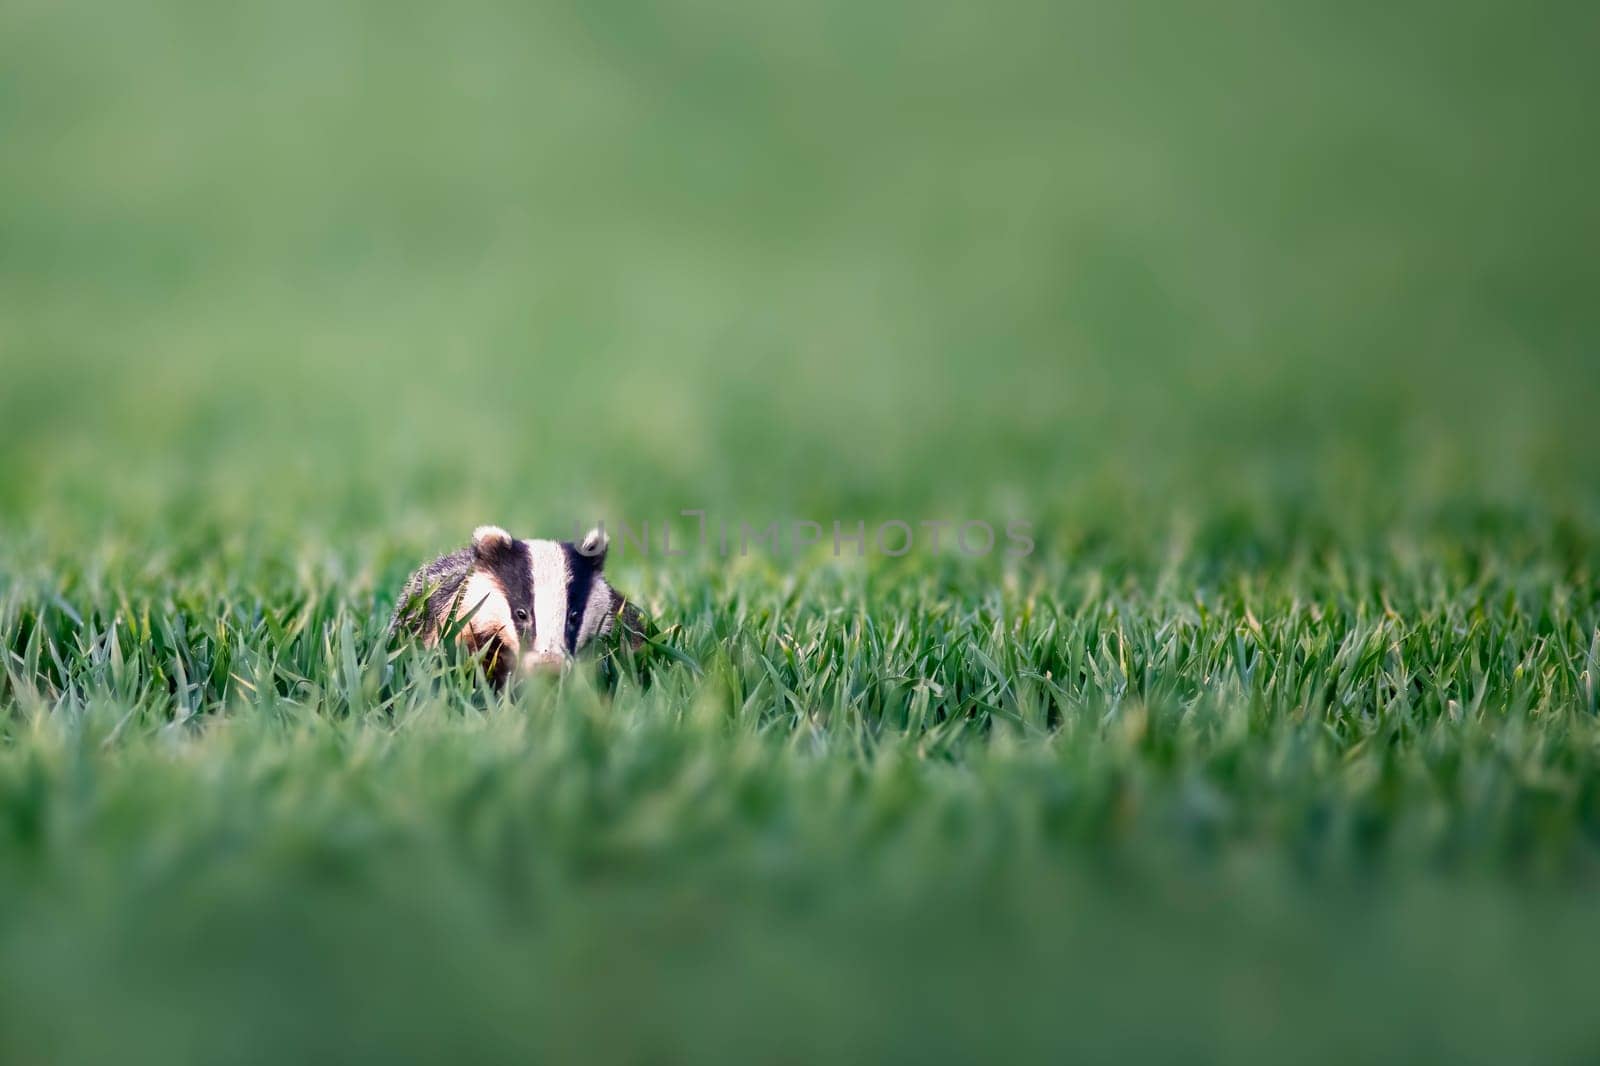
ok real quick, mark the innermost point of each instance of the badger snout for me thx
(543, 662)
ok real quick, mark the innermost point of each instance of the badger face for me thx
(533, 603)
(526, 605)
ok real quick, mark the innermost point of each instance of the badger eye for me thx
(522, 616)
(573, 615)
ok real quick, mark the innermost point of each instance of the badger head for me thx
(534, 603)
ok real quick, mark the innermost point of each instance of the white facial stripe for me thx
(549, 564)
(493, 618)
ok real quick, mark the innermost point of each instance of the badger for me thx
(527, 605)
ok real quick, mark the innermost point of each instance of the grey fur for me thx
(441, 580)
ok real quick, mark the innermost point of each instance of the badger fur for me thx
(526, 605)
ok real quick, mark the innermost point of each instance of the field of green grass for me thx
(1276, 322)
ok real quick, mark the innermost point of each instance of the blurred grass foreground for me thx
(1276, 323)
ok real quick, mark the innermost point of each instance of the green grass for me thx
(1275, 322)
(903, 811)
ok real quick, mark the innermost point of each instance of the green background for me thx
(1276, 321)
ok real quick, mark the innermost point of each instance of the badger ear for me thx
(490, 540)
(594, 546)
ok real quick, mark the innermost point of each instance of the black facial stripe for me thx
(511, 568)
(581, 572)
(496, 661)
